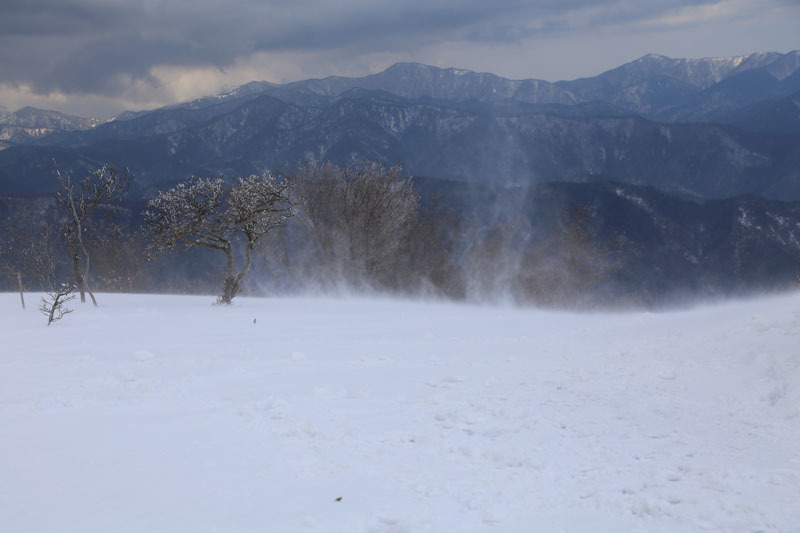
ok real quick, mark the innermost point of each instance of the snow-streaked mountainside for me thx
(165, 413)
(708, 127)
(30, 123)
(700, 73)
(638, 86)
(416, 80)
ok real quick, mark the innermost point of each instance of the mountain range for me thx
(703, 152)
(29, 123)
(705, 127)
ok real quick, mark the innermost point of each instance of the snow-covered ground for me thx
(165, 413)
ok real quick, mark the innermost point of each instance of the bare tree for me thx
(567, 267)
(54, 304)
(432, 252)
(587, 261)
(358, 219)
(29, 245)
(79, 202)
(202, 213)
(316, 187)
(119, 259)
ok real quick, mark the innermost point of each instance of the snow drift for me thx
(165, 413)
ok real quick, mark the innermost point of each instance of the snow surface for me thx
(165, 413)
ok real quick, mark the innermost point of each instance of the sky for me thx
(100, 57)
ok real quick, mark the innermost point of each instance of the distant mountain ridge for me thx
(643, 86)
(428, 138)
(417, 80)
(654, 121)
(636, 87)
(29, 123)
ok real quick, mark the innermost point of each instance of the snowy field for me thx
(168, 414)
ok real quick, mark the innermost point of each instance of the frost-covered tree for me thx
(79, 202)
(202, 212)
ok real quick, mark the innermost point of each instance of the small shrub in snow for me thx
(54, 304)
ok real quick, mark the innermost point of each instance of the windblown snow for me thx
(165, 413)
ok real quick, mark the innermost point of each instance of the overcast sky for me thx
(102, 56)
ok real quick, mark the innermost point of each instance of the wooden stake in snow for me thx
(21, 295)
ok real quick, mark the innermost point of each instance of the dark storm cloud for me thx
(52, 18)
(101, 46)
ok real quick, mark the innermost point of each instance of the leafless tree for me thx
(432, 250)
(358, 218)
(316, 186)
(587, 261)
(53, 305)
(491, 258)
(29, 245)
(567, 266)
(201, 212)
(119, 259)
(79, 202)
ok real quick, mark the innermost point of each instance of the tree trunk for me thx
(248, 261)
(91, 294)
(232, 284)
(21, 295)
(86, 259)
(229, 286)
(228, 290)
(76, 270)
(88, 289)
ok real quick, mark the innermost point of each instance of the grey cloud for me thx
(49, 18)
(94, 46)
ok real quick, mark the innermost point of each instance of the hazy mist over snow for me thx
(97, 58)
(165, 413)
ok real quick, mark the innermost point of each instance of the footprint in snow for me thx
(447, 381)
(270, 407)
(144, 355)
